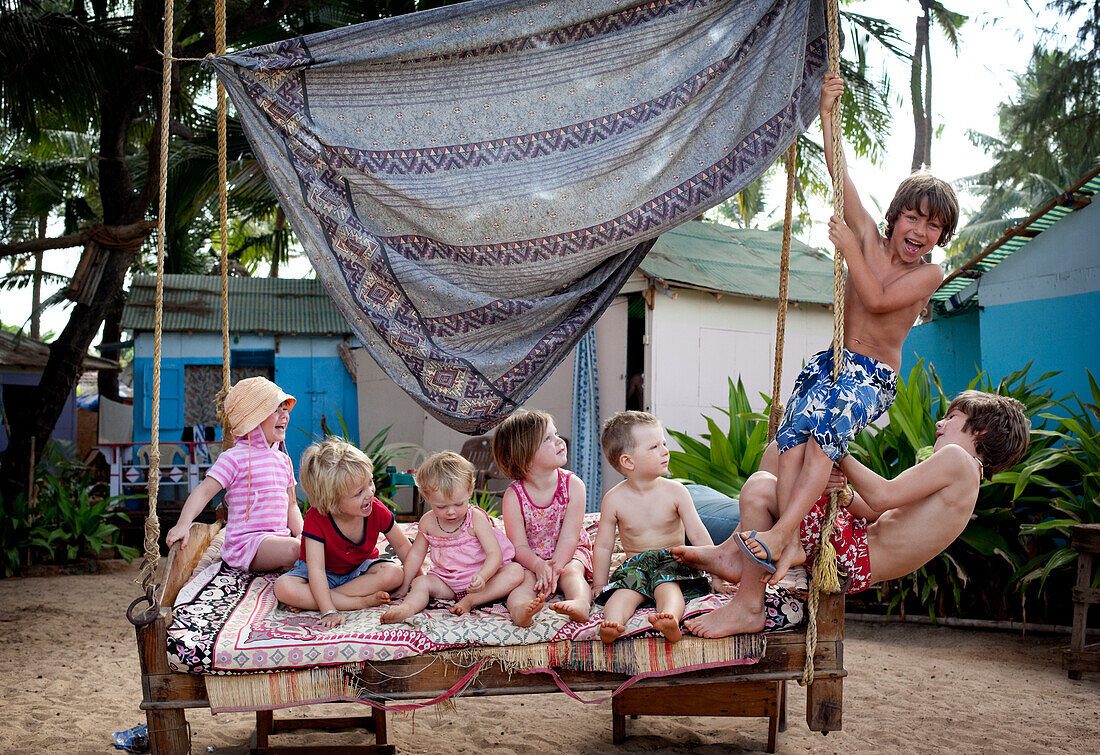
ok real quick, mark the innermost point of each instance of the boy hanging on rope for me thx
(889, 528)
(888, 284)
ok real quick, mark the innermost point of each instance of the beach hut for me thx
(22, 360)
(285, 329)
(1031, 296)
(699, 309)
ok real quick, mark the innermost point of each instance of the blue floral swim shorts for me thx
(834, 413)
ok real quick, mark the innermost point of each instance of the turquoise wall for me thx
(1062, 333)
(1059, 334)
(950, 344)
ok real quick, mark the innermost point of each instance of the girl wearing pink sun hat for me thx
(265, 525)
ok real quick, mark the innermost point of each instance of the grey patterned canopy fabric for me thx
(473, 184)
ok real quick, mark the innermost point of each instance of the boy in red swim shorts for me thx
(890, 528)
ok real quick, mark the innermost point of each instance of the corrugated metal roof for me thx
(27, 353)
(1018, 236)
(744, 262)
(192, 303)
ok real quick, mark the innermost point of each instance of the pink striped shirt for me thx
(256, 478)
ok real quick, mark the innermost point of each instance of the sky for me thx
(995, 45)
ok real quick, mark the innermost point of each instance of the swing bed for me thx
(813, 657)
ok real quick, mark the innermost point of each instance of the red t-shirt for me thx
(343, 555)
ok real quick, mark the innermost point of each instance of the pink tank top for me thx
(543, 523)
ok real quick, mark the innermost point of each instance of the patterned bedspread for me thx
(226, 620)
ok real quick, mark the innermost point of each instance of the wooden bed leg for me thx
(782, 706)
(381, 737)
(618, 721)
(824, 705)
(168, 732)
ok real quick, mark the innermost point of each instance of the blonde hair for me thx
(517, 440)
(330, 469)
(447, 474)
(617, 437)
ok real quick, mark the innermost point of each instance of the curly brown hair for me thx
(1000, 428)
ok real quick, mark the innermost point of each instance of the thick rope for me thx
(824, 577)
(776, 413)
(152, 523)
(219, 48)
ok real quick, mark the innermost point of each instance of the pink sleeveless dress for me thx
(458, 558)
(543, 523)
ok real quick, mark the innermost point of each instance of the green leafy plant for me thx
(73, 523)
(15, 535)
(1070, 468)
(724, 459)
(486, 501)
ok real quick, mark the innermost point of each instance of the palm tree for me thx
(920, 79)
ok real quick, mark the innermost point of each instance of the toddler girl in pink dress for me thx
(471, 559)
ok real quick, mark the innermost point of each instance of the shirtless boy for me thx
(888, 284)
(652, 514)
(891, 527)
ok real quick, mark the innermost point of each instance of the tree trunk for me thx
(278, 249)
(112, 335)
(36, 286)
(921, 117)
(31, 424)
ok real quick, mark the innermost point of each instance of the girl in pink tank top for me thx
(544, 512)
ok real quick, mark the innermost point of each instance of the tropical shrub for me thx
(724, 459)
(69, 519)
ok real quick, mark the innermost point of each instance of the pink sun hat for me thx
(251, 401)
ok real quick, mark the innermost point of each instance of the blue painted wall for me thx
(1058, 334)
(951, 344)
(308, 368)
(1039, 305)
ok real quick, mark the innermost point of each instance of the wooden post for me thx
(825, 697)
(168, 732)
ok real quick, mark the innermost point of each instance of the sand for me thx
(69, 678)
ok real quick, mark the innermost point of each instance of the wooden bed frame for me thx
(753, 690)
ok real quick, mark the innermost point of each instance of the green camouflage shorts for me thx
(644, 572)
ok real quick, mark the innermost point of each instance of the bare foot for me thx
(462, 607)
(397, 614)
(527, 613)
(792, 555)
(730, 619)
(666, 624)
(374, 599)
(576, 610)
(610, 631)
(711, 558)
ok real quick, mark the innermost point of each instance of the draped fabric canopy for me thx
(474, 183)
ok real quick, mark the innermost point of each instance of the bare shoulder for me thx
(953, 460)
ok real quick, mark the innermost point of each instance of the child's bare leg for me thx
(523, 603)
(276, 553)
(295, 592)
(619, 607)
(759, 511)
(744, 613)
(670, 609)
(371, 588)
(500, 584)
(809, 467)
(423, 588)
(578, 595)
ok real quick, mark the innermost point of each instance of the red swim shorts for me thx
(849, 539)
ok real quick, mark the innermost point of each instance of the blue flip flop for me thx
(765, 564)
